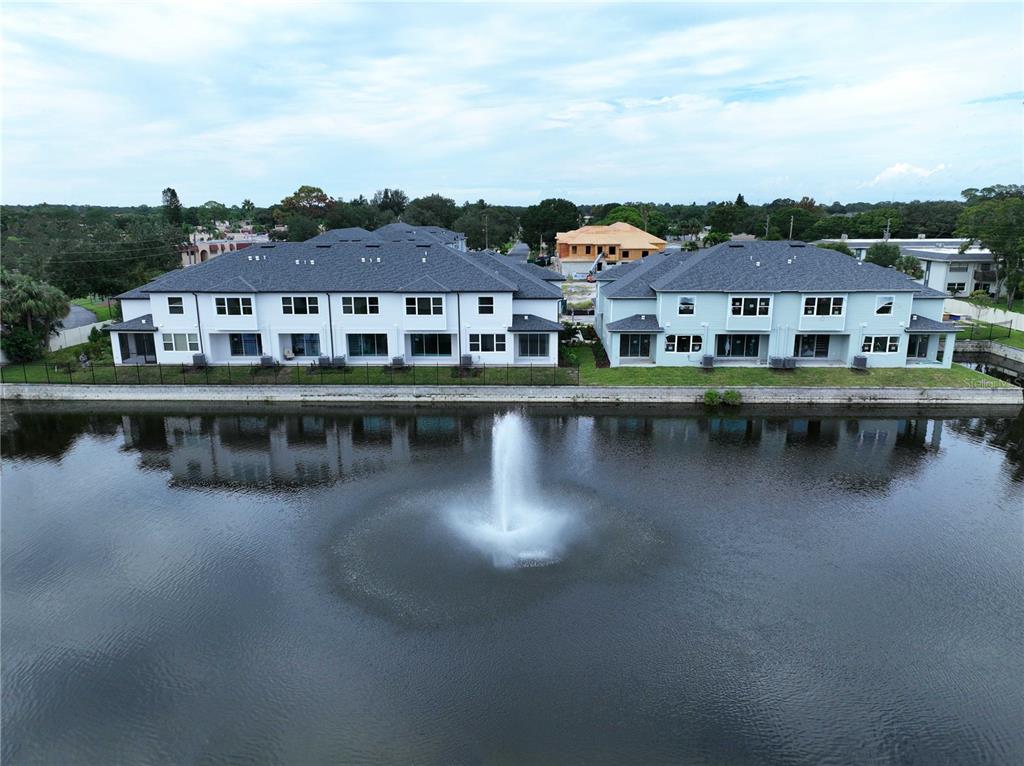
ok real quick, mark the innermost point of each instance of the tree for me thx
(883, 254)
(740, 202)
(309, 201)
(910, 266)
(248, 208)
(541, 222)
(172, 207)
(724, 218)
(30, 311)
(300, 228)
(839, 247)
(432, 210)
(392, 200)
(485, 225)
(716, 238)
(996, 222)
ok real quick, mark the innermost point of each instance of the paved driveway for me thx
(77, 317)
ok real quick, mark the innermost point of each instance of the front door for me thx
(917, 347)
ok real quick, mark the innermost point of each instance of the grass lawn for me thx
(995, 333)
(103, 310)
(956, 377)
(62, 367)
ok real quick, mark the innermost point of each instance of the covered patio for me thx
(931, 342)
(134, 340)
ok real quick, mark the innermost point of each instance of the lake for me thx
(305, 586)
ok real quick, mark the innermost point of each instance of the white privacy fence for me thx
(984, 314)
(72, 336)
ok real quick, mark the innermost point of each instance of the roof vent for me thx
(424, 259)
(643, 316)
(296, 261)
(796, 244)
(378, 259)
(789, 261)
(250, 257)
(312, 262)
(757, 263)
(266, 247)
(913, 317)
(362, 260)
(322, 246)
(735, 245)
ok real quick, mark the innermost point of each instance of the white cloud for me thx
(902, 170)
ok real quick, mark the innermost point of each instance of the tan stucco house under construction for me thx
(592, 248)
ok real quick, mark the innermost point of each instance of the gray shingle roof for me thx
(519, 250)
(758, 266)
(370, 266)
(923, 324)
(142, 323)
(403, 232)
(350, 234)
(533, 323)
(947, 255)
(636, 323)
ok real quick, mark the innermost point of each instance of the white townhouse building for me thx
(769, 303)
(367, 300)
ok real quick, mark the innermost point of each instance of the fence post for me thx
(93, 368)
(437, 373)
(206, 369)
(296, 374)
(138, 373)
(531, 373)
(554, 375)
(182, 375)
(229, 373)
(367, 371)
(160, 373)
(46, 367)
(114, 366)
(321, 367)
(507, 366)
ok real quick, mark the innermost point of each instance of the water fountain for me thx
(517, 529)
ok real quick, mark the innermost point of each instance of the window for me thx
(356, 304)
(738, 345)
(823, 306)
(300, 304)
(234, 306)
(574, 249)
(175, 306)
(586, 249)
(751, 307)
(634, 345)
(181, 341)
(683, 344)
(686, 305)
(425, 306)
(485, 305)
(644, 253)
(305, 344)
(533, 344)
(880, 344)
(368, 344)
(245, 344)
(883, 304)
(431, 344)
(955, 287)
(486, 342)
(625, 253)
(813, 346)
(958, 268)
(917, 347)
(611, 249)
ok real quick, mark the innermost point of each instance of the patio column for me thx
(947, 352)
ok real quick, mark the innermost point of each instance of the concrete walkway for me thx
(513, 394)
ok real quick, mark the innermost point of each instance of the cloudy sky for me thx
(108, 104)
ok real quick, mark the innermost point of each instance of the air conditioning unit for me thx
(776, 362)
(860, 362)
(707, 362)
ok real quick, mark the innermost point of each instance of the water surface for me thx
(275, 587)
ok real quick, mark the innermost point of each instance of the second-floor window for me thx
(485, 305)
(234, 306)
(751, 307)
(300, 304)
(424, 306)
(823, 306)
(175, 306)
(883, 304)
(686, 305)
(357, 304)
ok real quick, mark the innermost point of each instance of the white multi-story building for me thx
(368, 301)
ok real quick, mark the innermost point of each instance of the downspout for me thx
(458, 321)
(199, 324)
(330, 323)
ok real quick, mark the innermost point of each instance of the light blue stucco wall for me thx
(779, 329)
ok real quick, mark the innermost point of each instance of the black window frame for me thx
(479, 342)
(758, 305)
(537, 344)
(238, 340)
(824, 305)
(350, 304)
(358, 350)
(420, 344)
(692, 304)
(674, 344)
(180, 305)
(726, 345)
(302, 305)
(485, 304)
(415, 305)
(226, 302)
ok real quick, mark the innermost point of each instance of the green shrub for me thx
(600, 355)
(712, 398)
(732, 398)
(21, 345)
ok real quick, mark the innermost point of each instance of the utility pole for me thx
(487, 240)
(767, 219)
(791, 227)
(885, 236)
(643, 209)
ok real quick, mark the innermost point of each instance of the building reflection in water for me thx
(292, 450)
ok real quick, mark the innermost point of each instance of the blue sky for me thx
(108, 104)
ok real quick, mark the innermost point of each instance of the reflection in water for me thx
(268, 587)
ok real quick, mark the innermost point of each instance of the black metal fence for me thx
(228, 375)
(984, 330)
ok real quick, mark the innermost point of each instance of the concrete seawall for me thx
(510, 394)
